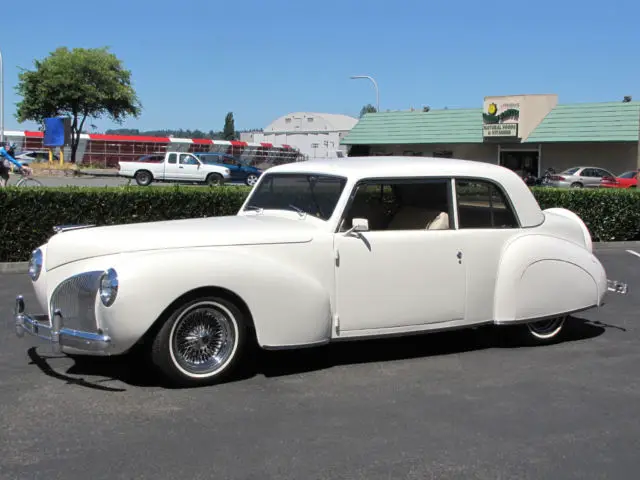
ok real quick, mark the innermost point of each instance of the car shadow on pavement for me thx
(134, 371)
(289, 362)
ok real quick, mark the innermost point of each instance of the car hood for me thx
(73, 245)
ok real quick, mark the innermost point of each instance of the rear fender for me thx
(541, 276)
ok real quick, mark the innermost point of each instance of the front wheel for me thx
(29, 182)
(576, 185)
(202, 342)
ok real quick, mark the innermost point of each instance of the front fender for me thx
(288, 306)
(541, 276)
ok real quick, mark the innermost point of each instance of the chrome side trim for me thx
(66, 228)
(55, 332)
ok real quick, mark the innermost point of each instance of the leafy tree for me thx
(367, 109)
(229, 131)
(80, 84)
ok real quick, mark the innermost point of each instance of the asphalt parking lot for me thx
(461, 405)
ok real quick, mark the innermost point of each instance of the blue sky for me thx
(193, 61)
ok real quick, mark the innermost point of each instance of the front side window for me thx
(315, 195)
(186, 159)
(415, 204)
(482, 204)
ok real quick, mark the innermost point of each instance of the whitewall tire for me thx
(546, 330)
(201, 343)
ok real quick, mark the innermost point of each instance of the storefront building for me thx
(526, 133)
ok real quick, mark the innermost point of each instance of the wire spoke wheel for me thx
(203, 339)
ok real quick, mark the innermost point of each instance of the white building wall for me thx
(314, 145)
(316, 135)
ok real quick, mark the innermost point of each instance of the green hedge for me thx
(610, 214)
(28, 215)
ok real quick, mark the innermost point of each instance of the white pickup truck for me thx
(173, 167)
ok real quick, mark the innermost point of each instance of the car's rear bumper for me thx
(617, 287)
(54, 332)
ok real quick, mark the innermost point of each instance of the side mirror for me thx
(358, 225)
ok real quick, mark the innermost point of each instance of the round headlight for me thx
(35, 264)
(109, 287)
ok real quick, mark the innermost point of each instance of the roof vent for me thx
(626, 99)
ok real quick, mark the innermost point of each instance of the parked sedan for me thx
(365, 248)
(579, 177)
(626, 180)
(240, 171)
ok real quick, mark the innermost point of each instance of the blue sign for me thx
(56, 131)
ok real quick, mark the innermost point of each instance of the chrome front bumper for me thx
(617, 287)
(53, 331)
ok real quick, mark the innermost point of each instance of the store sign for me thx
(500, 130)
(500, 118)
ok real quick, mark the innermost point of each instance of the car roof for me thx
(361, 168)
(357, 168)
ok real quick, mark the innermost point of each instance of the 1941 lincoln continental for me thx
(320, 251)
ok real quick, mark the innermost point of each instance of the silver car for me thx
(579, 177)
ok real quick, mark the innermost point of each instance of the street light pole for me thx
(1, 99)
(374, 84)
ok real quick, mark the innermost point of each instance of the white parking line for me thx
(634, 253)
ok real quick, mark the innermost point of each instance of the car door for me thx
(487, 221)
(599, 174)
(408, 269)
(233, 165)
(171, 170)
(590, 177)
(189, 168)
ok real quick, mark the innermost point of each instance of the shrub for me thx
(28, 215)
(610, 214)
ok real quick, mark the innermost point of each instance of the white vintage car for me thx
(320, 251)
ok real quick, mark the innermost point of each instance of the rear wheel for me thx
(545, 331)
(202, 342)
(143, 178)
(214, 179)
(251, 179)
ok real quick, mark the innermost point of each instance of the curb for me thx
(615, 245)
(14, 267)
(23, 267)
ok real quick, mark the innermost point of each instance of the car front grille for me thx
(75, 298)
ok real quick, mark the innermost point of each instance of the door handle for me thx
(180, 166)
(459, 255)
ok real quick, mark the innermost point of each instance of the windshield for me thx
(315, 195)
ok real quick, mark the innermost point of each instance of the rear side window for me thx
(482, 204)
(173, 158)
